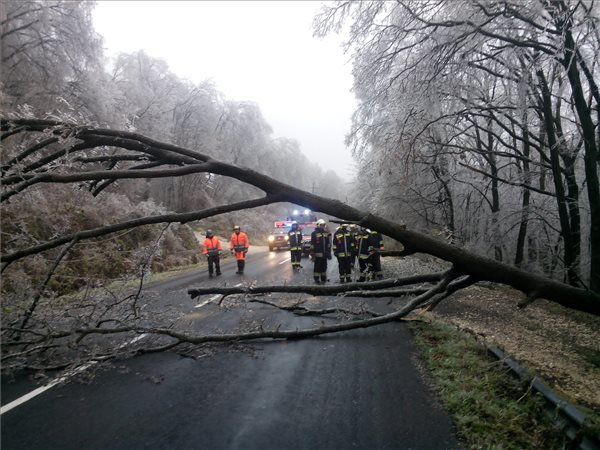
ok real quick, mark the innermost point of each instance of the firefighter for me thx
(354, 232)
(320, 251)
(363, 251)
(376, 247)
(212, 251)
(295, 241)
(343, 249)
(239, 245)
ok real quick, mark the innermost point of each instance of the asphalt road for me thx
(360, 389)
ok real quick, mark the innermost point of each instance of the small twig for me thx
(42, 288)
(528, 300)
(529, 388)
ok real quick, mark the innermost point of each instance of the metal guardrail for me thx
(567, 416)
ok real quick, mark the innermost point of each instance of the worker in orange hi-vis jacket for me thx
(239, 245)
(212, 251)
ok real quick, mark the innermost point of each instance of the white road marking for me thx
(134, 340)
(214, 297)
(59, 380)
(81, 368)
(41, 389)
(201, 304)
(285, 260)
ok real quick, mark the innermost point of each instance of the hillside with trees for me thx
(53, 67)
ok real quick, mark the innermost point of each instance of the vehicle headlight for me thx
(271, 238)
(287, 238)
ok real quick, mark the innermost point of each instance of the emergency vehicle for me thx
(306, 221)
(279, 236)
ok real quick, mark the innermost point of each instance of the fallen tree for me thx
(42, 168)
(341, 289)
(69, 153)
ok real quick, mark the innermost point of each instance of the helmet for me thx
(209, 232)
(344, 225)
(237, 227)
(294, 224)
(320, 222)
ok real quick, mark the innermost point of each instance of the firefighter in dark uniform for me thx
(363, 251)
(295, 241)
(354, 232)
(320, 251)
(343, 249)
(376, 247)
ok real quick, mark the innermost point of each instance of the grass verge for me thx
(490, 409)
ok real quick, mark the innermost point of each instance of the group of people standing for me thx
(238, 245)
(348, 243)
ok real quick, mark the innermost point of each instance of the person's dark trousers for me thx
(376, 263)
(296, 258)
(320, 270)
(345, 268)
(241, 264)
(353, 260)
(363, 265)
(214, 259)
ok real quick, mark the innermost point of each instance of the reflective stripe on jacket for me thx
(320, 243)
(343, 243)
(212, 246)
(376, 240)
(363, 244)
(239, 242)
(295, 239)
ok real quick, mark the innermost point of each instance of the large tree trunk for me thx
(563, 213)
(465, 262)
(584, 112)
(526, 194)
(487, 152)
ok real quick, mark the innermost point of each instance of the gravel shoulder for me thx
(559, 345)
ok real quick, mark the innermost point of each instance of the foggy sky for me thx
(255, 51)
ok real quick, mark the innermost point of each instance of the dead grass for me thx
(556, 343)
(561, 346)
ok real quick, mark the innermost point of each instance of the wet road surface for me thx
(360, 389)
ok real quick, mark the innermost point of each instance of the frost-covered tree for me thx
(50, 57)
(484, 105)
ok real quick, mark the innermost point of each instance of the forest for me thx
(476, 141)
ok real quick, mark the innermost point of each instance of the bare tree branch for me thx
(466, 262)
(42, 288)
(171, 218)
(319, 289)
(297, 334)
(296, 308)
